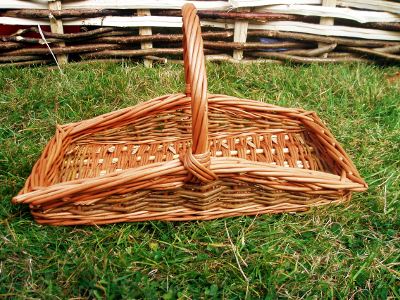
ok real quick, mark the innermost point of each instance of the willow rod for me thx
(7, 58)
(235, 45)
(390, 49)
(323, 39)
(109, 34)
(312, 52)
(234, 15)
(117, 39)
(66, 36)
(158, 37)
(374, 53)
(66, 13)
(138, 52)
(305, 60)
(26, 63)
(63, 50)
(28, 40)
(10, 45)
(383, 26)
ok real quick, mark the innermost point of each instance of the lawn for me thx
(337, 252)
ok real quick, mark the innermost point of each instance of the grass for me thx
(337, 252)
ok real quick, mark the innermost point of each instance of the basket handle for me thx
(197, 161)
(195, 77)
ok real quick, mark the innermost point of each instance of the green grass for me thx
(337, 252)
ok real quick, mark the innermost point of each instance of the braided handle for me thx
(195, 77)
(196, 161)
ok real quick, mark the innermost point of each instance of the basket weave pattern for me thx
(188, 156)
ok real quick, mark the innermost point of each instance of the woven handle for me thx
(197, 161)
(195, 77)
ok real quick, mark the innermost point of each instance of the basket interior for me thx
(166, 136)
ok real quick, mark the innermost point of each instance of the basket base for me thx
(262, 203)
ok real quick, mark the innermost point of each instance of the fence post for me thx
(145, 31)
(57, 27)
(327, 20)
(240, 34)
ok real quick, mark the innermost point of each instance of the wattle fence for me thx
(299, 31)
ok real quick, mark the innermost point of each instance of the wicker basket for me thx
(191, 156)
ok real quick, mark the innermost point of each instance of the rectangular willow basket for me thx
(192, 156)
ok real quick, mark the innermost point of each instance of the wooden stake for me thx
(327, 21)
(240, 34)
(145, 31)
(57, 27)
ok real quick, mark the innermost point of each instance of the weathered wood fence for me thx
(300, 31)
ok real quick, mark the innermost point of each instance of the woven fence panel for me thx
(297, 31)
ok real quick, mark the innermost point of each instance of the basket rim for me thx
(169, 101)
(149, 172)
